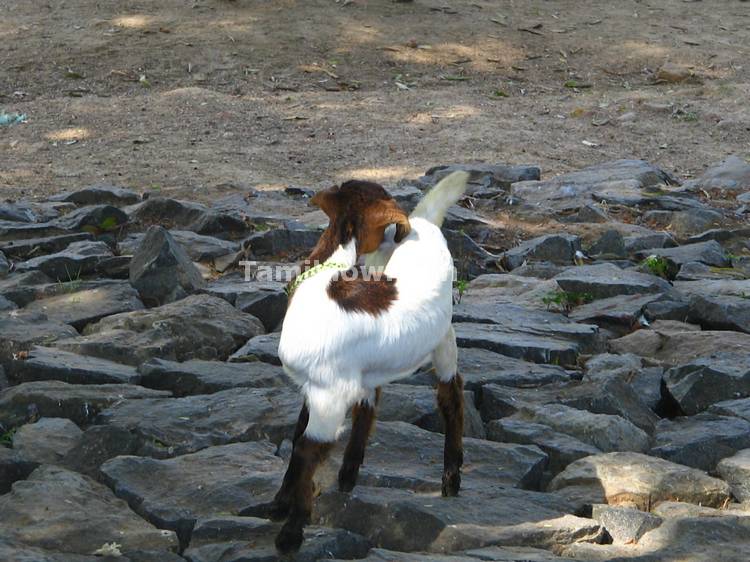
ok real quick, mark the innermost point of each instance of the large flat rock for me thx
(700, 441)
(82, 306)
(55, 399)
(403, 520)
(48, 363)
(707, 380)
(54, 509)
(637, 480)
(206, 377)
(47, 440)
(175, 426)
(606, 280)
(400, 455)
(174, 493)
(197, 327)
(21, 333)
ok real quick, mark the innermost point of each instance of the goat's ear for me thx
(392, 213)
(327, 200)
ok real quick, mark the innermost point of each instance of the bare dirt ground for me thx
(193, 98)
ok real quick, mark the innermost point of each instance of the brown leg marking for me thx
(363, 417)
(306, 457)
(451, 404)
(278, 508)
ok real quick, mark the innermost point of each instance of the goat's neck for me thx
(345, 254)
(330, 245)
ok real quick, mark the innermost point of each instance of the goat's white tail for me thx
(435, 204)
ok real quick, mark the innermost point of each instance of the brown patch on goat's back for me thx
(354, 293)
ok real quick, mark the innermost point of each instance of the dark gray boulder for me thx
(555, 248)
(700, 441)
(161, 271)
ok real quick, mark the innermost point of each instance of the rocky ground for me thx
(604, 347)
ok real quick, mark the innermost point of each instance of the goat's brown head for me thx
(361, 210)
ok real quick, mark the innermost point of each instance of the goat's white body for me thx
(339, 357)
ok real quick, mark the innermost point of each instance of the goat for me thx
(345, 334)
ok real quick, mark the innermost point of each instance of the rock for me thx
(645, 242)
(81, 305)
(401, 455)
(54, 399)
(556, 248)
(485, 175)
(6, 305)
(611, 396)
(207, 377)
(263, 348)
(161, 270)
(731, 175)
(46, 363)
(19, 334)
(418, 405)
(672, 73)
(20, 552)
(32, 247)
(693, 221)
(710, 253)
(561, 449)
(176, 426)
(471, 260)
(21, 288)
(196, 327)
(320, 544)
(702, 382)
(98, 444)
(605, 432)
(700, 441)
(14, 212)
(94, 219)
(198, 247)
(575, 190)
(402, 520)
(624, 524)
(99, 195)
(610, 245)
(4, 265)
(54, 509)
(10, 230)
(500, 554)
(645, 381)
(619, 315)
(185, 215)
(13, 467)
(721, 312)
(250, 473)
(47, 440)
(480, 366)
(672, 347)
(290, 245)
(79, 258)
(683, 539)
(737, 408)
(227, 528)
(736, 471)
(607, 280)
(266, 301)
(637, 480)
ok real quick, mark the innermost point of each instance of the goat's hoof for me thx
(347, 480)
(273, 510)
(451, 484)
(289, 539)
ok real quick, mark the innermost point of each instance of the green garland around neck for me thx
(302, 277)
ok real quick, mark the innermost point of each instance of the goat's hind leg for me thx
(363, 417)
(450, 399)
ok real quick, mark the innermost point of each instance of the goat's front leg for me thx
(450, 399)
(278, 509)
(363, 417)
(327, 408)
(307, 455)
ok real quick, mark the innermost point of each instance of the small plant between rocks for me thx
(566, 301)
(657, 265)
